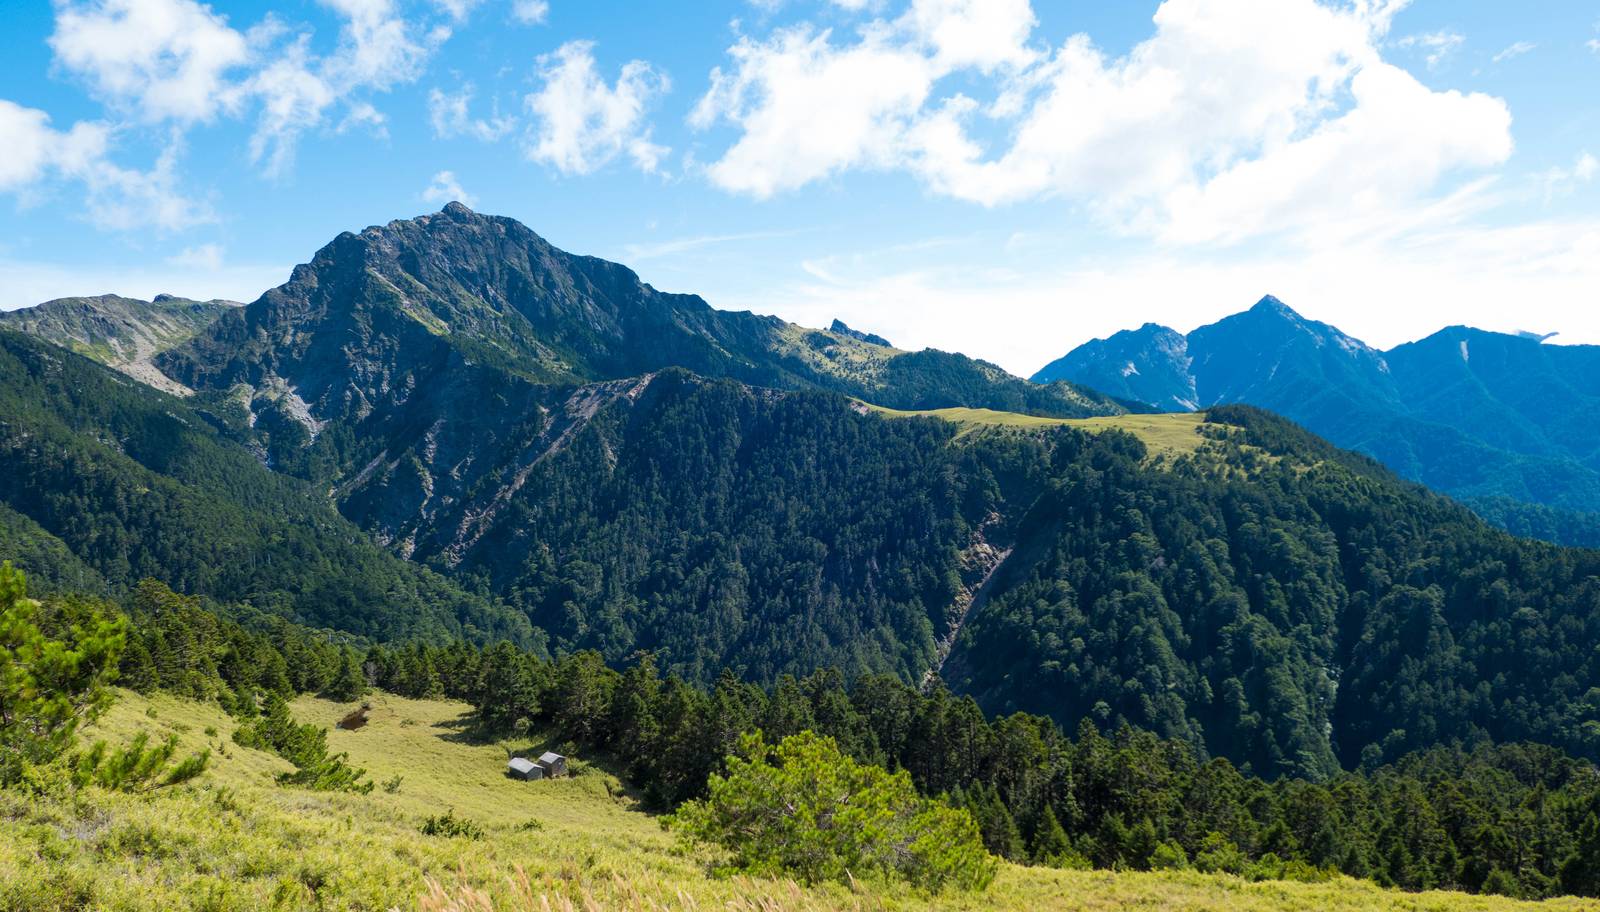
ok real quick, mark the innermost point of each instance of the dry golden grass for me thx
(236, 841)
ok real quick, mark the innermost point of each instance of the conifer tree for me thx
(48, 686)
(349, 680)
(1050, 842)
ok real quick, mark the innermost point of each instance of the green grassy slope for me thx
(234, 840)
(1172, 433)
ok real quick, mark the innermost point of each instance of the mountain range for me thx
(124, 333)
(1503, 422)
(446, 427)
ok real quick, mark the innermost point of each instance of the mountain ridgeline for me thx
(124, 333)
(445, 426)
(104, 481)
(1501, 421)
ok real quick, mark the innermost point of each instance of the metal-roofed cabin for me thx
(523, 768)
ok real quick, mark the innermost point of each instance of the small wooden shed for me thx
(554, 765)
(523, 768)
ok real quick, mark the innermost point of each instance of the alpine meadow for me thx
(457, 572)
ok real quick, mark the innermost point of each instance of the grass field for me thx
(236, 841)
(1174, 433)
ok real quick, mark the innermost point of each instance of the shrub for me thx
(1218, 854)
(1169, 856)
(448, 824)
(49, 686)
(137, 766)
(804, 808)
(306, 746)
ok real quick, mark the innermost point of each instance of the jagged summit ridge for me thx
(1470, 412)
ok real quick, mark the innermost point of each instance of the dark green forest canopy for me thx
(102, 478)
(1288, 606)
(1268, 598)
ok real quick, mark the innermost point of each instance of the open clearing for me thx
(1169, 433)
(235, 840)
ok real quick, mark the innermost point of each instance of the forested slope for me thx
(1290, 606)
(1262, 595)
(100, 473)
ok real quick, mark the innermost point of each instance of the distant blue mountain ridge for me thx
(1507, 423)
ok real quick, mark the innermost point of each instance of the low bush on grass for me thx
(138, 766)
(306, 746)
(804, 808)
(448, 824)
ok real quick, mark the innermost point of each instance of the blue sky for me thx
(999, 177)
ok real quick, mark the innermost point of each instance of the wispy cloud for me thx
(1436, 45)
(657, 249)
(206, 257)
(1515, 50)
(445, 188)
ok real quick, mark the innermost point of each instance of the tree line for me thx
(1515, 819)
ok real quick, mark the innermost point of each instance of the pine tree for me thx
(633, 728)
(137, 670)
(506, 692)
(48, 687)
(349, 681)
(1049, 839)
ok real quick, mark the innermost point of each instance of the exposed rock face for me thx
(1149, 364)
(419, 368)
(124, 333)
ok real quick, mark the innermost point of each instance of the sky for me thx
(1004, 178)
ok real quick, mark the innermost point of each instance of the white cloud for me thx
(582, 123)
(450, 114)
(973, 33)
(1514, 50)
(123, 199)
(163, 59)
(530, 12)
(293, 100)
(457, 10)
(1560, 181)
(444, 188)
(1436, 46)
(364, 114)
(378, 47)
(202, 257)
(178, 62)
(1351, 172)
(1541, 275)
(38, 156)
(35, 150)
(807, 109)
(1236, 117)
